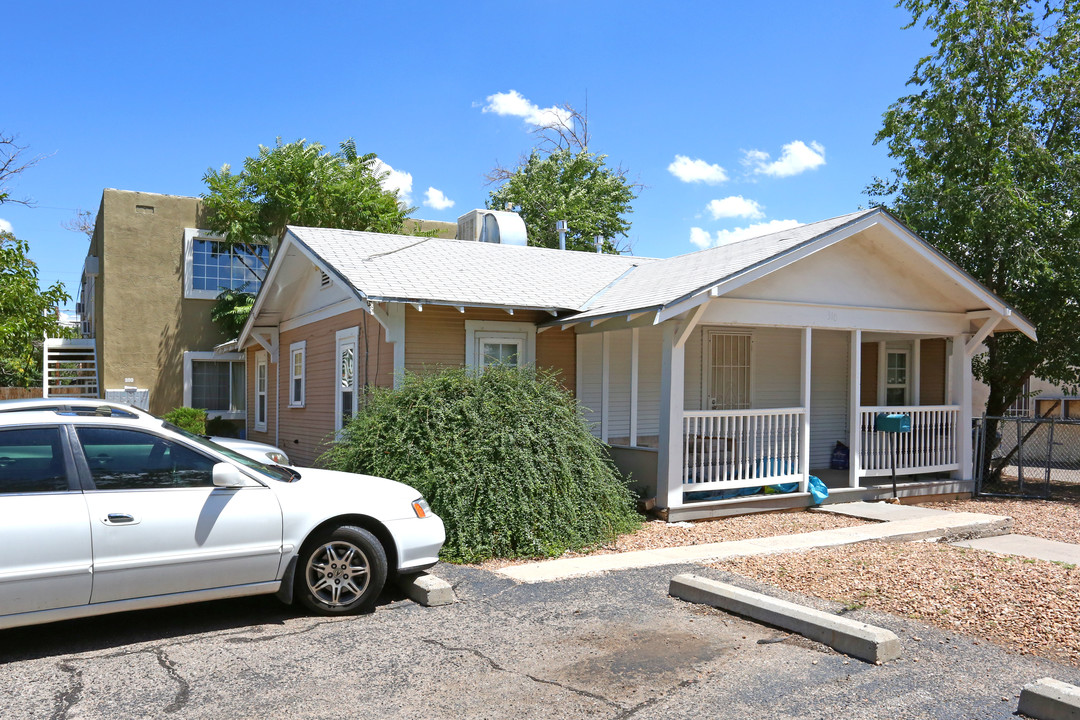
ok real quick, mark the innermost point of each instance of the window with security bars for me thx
(727, 369)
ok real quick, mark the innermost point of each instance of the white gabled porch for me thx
(796, 391)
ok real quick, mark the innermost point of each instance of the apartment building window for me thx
(211, 266)
(215, 383)
(296, 373)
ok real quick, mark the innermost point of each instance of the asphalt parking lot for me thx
(613, 646)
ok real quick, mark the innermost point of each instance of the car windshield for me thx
(278, 472)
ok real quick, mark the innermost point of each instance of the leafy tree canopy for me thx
(28, 314)
(300, 183)
(570, 185)
(562, 180)
(988, 153)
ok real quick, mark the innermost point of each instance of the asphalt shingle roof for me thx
(436, 270)
(406, 268)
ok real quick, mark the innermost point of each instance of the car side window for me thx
(132, 460)
(32, 461)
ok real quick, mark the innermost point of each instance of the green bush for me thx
(505, 458)
(191, 419)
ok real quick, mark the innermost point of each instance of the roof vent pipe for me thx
(561, 227)
(599, 244)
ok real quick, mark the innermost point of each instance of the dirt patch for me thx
(1026, 605)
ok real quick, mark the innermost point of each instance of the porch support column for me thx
(670, 458)
(855, 409)
(960, 394)
(634, 386)
(882, 371)
(916, 373)
(804, 400)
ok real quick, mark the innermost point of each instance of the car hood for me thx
(380, 495)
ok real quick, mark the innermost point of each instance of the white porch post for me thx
(804, 400)
(855, 409)
(633, 387)
(882, 371)
(395, 334)
(670, 458)
(960, 394)
(916, 373)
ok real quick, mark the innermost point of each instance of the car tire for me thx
(341, 571)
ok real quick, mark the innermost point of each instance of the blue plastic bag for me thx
(818, 491)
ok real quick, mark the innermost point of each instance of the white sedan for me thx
(102, 514)
(254, 450)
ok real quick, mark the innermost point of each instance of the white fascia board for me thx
(775, 313)
(327, 311)
(607, 323)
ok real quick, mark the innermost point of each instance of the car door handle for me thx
(119, 519)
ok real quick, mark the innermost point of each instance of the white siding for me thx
(692, 377)
(590, 359)
(650, 352)
(777, 357)
(828, 394)
(619, 384)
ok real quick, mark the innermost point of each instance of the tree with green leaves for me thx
(28, 314)
(297, 183)
(988, 153)
(562, 180)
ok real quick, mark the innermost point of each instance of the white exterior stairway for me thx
(70, 368)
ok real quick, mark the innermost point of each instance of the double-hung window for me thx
(261, 377)
(896, 378)
(491, 342)
(297, 352)
(215, 383)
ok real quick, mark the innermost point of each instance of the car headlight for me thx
(278, 458)
(421, 508)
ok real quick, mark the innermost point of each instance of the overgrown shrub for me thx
(191, 419)
(505, 458)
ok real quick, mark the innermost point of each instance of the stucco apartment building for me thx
(149, 281)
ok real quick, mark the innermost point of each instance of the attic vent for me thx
(324, 280)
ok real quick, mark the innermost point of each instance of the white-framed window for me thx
(262, 375)
(346, 386)
(297, 352)
(215, 383)
(210, 265)
(727, 369)
(490, 342)
(896, 377)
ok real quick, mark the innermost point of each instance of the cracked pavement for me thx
(613, 646)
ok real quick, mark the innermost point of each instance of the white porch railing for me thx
(730, 449)
(929, 447)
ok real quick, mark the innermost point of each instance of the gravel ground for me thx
(1027, 605)
(1051, 519)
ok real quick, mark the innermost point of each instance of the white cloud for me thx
(395, 180)
(435, 198)
(703, 239)
(689, 171)
(735, 206)
(5, 226)
(515, 104)
(795, 157)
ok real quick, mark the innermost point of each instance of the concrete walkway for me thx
(895, 523)
(1026, 546)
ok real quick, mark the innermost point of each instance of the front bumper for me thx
(418, 541)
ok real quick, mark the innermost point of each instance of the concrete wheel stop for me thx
(1050, 699)
(427, 589)
(851, 637)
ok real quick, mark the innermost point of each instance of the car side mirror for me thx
(226, 475)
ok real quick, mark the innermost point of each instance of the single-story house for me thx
(736, 367)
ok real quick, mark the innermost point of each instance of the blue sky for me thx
(732, 115)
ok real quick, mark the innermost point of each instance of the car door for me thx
(159, 524)
(45, 555)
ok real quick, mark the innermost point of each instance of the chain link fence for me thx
(1027, 457)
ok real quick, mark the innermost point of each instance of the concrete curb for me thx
(850, 637)
(427, 589)
(1050, 699)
